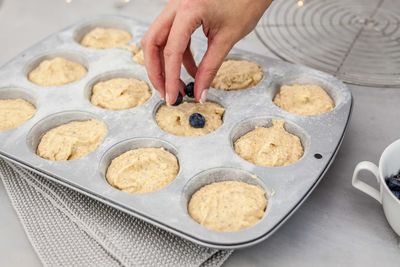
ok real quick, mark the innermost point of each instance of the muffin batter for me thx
(228, 206)
(237, 74)
(270, 147)
(72, 140)
(137, 54)
(14, 112)
(57, 71)
(139, 57)
(103, 38)
(142, 170)
(304, 99)
(175, 119)
(120, 93)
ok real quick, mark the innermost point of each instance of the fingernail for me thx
(168, 99)
(162, 96)
(203, 97)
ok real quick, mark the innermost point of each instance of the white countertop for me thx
(336, 226)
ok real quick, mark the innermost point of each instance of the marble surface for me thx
(336, 226)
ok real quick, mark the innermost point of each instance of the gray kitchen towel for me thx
(67, 228)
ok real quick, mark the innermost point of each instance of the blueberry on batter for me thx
(196, 120)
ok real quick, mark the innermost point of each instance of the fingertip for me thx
(169, 99)
(203, 98)
(171, 96)
(199, 88)
(162, 96)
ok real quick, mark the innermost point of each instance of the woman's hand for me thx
(166, 45)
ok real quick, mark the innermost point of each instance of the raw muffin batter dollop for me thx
(137, 54)
(175, 119)
(304, 99)
(103, 38)
(120, 93)
(271, 147)
(14, 112)
(139, 57)
(72, 140)
(237, 74)
(142, 170)
(56, 72)
(228, 206)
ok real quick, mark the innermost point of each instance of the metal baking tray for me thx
(202, 160)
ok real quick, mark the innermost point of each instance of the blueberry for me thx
(196, 120)
(179, 99)
(396, 194)
(189, 89)
(393, 183)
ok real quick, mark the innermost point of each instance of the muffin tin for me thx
(202, 160)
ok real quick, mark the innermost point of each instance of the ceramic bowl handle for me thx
(362, 186)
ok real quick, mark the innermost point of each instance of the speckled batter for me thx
(57, 71)
(304, 99)
(14, 112)
(271, 147)
(237, 74)
(139, 57)
(137, 53)
(120, 93)
(228, 206)
(175, 119)
(103, 38)
(143, 170)
(72, 140)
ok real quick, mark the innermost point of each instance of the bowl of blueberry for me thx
(393, 182)
(388, 177)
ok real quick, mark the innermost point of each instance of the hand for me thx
(166, 45)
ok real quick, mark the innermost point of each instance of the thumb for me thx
(217, 50)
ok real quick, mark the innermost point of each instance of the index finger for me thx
(178, 40)
(152, 45)
(154, 67)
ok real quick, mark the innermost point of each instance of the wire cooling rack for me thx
(356, 40)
